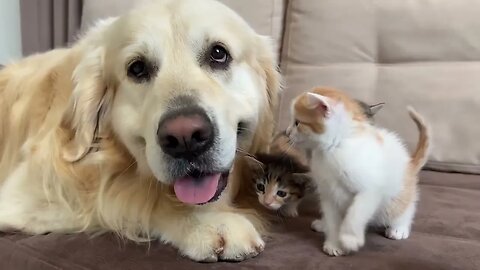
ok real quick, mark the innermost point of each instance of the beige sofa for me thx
(402, 52)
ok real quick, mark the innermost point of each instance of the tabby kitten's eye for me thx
(281, 194)
(296, 123)
(261, 188)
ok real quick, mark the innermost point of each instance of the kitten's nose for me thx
(268, 205)
(268, 201)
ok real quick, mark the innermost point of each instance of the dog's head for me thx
(183, 85)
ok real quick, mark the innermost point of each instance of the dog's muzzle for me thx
(187, 136)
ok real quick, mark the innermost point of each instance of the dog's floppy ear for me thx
(267, 60)
(88, 106)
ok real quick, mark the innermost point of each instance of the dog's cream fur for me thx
(77, 136)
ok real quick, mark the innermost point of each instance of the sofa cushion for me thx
(420, 53)
(265, 16)
(446, 235)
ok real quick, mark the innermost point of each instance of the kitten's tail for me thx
(420, 156)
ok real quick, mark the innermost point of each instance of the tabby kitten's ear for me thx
(375, 108)
(302, 179)
(254, 164)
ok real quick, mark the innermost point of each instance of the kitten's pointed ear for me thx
(302, 179)
(375, 108)
(281, 143)
(253, 163)
(318, 102)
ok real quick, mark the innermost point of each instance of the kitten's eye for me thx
(260, 187)
(296, 123)
(281, 193)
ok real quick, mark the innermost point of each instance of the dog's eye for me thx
(219, 57)
(138, 70)
(219, 54)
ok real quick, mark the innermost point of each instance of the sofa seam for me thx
(448, 187)
(33, 256)
(271, 17)
(406, 63)
(284, 53)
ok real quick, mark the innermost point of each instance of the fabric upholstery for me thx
(446, 236)
(424, 53)
(420, 53)
(265, 16)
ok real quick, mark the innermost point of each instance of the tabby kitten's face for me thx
(273, 194)
(279, 179)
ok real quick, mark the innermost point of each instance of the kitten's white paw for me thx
(318, 225)
(352, 242)
(333, 249)
(397, 233)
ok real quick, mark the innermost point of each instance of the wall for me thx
(10, 35)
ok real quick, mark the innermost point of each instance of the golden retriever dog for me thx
(135, 129)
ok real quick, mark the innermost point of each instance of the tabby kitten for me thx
(280, 180)
(370, 110)
(364, 173)
(277, 184)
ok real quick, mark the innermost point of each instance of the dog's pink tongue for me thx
(196, 190)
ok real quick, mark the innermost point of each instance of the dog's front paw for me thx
(225, 236)
(333, 249)
(202, 245)
(242, 241)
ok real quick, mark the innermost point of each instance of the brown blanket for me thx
(446, 235)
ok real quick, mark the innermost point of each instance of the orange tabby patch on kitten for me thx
(364, 173)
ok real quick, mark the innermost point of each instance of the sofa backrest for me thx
(420, 53)
(265, 16)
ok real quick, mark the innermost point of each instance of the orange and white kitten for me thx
(364, 174)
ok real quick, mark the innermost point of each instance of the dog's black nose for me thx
(185, 134)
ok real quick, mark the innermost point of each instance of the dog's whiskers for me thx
(241, 151)
(245, 129)
(244, 152)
